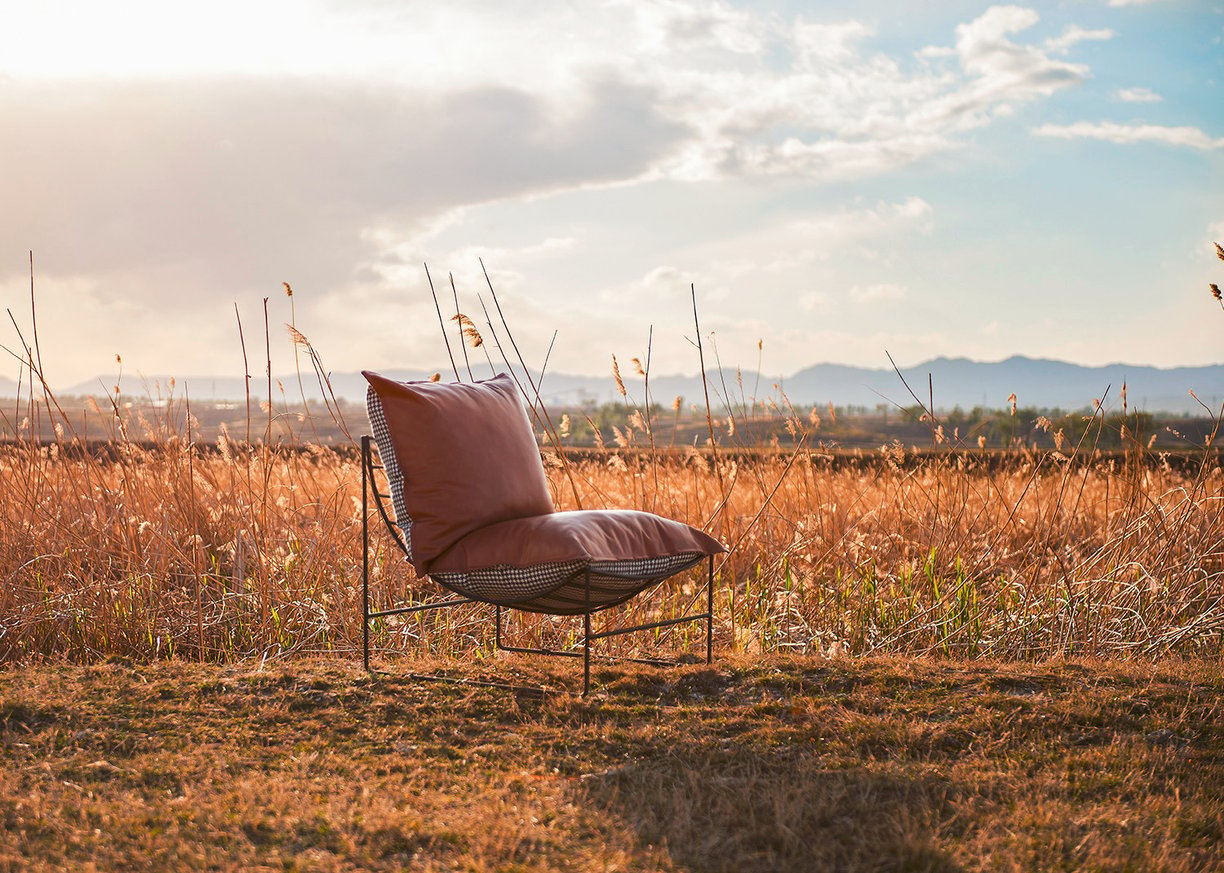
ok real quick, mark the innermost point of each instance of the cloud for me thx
(672, 25)
(1074, 35)
(997, 74)
(840, 228)
(1137, 95)
(661, 282)
(801, 99)
(760, 94)
(808, 241)
(333, 149)
(814, 301)
(229, 172)
(1119, 3)
(1127, 134)
(880, 293)
(239, 184)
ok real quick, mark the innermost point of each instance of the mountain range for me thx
(1038, 383)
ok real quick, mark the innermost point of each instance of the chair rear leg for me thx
(365, 553)
(710, 614)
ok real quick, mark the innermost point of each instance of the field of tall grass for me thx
(155, 545)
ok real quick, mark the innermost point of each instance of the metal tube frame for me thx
(368, 487)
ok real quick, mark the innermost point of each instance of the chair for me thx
(470, 509)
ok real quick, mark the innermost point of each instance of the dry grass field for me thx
(939, 659)
(755, 764)
(160, 547)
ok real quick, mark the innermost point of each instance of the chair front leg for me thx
(586, 635)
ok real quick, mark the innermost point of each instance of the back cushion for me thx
(468, 457)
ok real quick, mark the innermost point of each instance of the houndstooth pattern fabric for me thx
(386, 452)
(560, 588)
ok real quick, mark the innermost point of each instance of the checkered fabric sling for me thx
(395, 479)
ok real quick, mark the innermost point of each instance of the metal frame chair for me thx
(369, 489)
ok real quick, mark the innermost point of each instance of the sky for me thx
(837, 181)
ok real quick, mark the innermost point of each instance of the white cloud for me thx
(1120, 3)
(758, 95)
(1074, 35)
(670, 24)
(659, 282)
(330, 144)
(827, 46)
(839, 229)
(814, 301)
(807, 102)
(1127, 134)
(667, 278)
(226, 180)
(1137, 95)
(999, 73)
(881, 293)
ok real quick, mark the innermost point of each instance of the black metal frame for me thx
(369, 487)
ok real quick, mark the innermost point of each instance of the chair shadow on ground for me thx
(739, 795)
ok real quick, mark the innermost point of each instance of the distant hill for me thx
(1035, 382)
(955, 381)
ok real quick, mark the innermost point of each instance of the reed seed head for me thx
(620, 383)
(599, 440)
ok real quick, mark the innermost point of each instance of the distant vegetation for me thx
(613, 425)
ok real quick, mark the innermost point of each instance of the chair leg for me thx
(710, 614)
(586, 636)
(365, 553)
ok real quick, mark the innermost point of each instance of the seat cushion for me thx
(539, 563)
(582, 535)
(467, 455)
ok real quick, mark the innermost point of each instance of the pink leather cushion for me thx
(468, 457)
(590, 535)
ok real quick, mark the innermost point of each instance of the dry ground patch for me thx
(769, 764)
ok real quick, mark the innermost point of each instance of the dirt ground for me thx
(775, 764)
